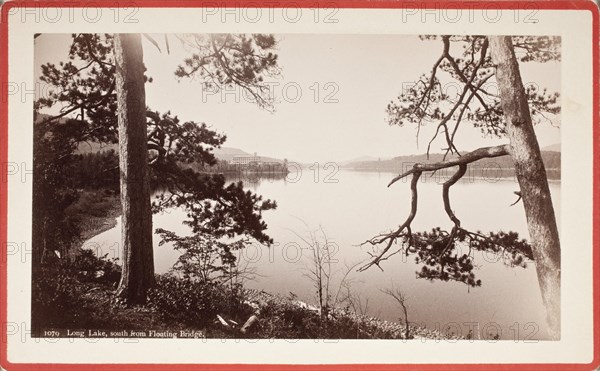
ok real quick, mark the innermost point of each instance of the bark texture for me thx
(137, 259)
(531, 176)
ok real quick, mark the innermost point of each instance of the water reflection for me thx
(252, 180)
(359, 205)
(447, 256)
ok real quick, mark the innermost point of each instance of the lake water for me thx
(353, 206)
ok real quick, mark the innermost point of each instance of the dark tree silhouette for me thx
(510, 114)
(54, 230)
(137, 275)
(86, 88)
(222, 60)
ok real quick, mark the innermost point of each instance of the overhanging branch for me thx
(404, 230)
(467, 158)
(462, 169)
(399, 232)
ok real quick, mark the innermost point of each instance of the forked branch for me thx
(393, 236)
(462, 169)
(404, 230)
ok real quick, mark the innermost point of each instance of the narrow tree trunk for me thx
(407, 328)
(531, 176)
(137, 258)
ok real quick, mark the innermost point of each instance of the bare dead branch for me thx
(462, 169)
(518, 193)
(400, 297)
(406, 225)
(467, 158)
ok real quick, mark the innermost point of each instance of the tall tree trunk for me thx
(531, 176)
(138, 260)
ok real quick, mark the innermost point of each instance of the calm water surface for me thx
(359, 206)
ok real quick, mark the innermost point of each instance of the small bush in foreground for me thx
(188, 301)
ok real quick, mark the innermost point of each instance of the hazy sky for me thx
(359, 74)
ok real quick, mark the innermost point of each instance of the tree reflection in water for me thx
(442, 256)
(449, 256)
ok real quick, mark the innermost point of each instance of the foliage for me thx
(57, 298)
(537, 48)
(204, 281)
(225, 60)
(471, 69)
(460, 87)
(59, 289)
(449, 256)
(93, 204)
(53, 189)
(283, 318)
(96, 170)
(90, 268)
(287, 320)
(84, 86)
(191, 302)
(213, 206)
(204, 258)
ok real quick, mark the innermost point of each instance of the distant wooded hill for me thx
(499, 166)
(223, 153)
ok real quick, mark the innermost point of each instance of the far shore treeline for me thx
(499, 167)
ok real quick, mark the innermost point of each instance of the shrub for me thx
(56, 298)
(188, 301)
(285, 319)
(59, 289)
(90, 268)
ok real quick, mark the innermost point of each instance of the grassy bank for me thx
(83, 299)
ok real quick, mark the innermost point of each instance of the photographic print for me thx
(281, 186)
(246, 215)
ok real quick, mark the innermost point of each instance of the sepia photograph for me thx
(359, 185)
(232, 186)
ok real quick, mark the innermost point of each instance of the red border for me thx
(384, 4)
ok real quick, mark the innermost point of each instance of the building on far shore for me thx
(246, 160)
(255, 163)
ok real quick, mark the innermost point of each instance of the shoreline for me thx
(465, 178)
(93, 225)
(96, 212)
